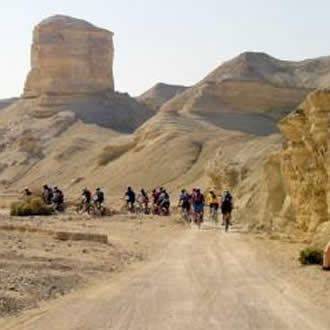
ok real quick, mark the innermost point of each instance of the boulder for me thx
(69, 56)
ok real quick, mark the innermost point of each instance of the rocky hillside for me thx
(159, 94)
(4, 103)
(310, 74)
(283, 187)
(252, 92)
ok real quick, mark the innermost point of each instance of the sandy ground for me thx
(36, 266)
(190, 279)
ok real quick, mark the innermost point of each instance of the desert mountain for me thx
(250, 66)
(252, 91)
(72, 129)
(159, 94)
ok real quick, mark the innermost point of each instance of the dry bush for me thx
(30, 145)
(311, 256)
(30, 206)
(112, 152)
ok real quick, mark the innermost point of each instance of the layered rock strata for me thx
(69, 56)
(305, 160)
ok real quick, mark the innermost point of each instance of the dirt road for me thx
(205, 280)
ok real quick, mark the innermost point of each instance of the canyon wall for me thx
(284, 190)
(305, 162)
(304, 159)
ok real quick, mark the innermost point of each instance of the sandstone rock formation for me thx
(72, 70)
(69, 56)
(284, 189)
(304, 160)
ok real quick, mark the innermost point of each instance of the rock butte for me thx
(69, 56)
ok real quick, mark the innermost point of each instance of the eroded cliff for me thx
(283, 186)
(69, 56)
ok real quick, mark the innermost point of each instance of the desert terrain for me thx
(256, 125)
(157, 273)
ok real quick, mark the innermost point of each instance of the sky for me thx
(172, 41)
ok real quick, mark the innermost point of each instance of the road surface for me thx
(205, 280)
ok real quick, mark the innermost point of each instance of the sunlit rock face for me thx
(282, 184)
(305, 160)
(68, 57)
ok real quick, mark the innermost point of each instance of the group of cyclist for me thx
(92, 202)
(158, 203)
(193, 205)
(51, 196)
(54, 197)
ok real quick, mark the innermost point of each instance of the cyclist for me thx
(164, 202)
(98, 198)
(184, 203)
(213, 204)
(143, 201)
(85, 200)
(27, 192)
(47, 194)
(226, 209)
(130, 199)
(58, 199)
(198, 204)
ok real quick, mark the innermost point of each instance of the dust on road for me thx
(202, 280)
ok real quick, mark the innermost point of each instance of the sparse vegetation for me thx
(311, 256)
(30, 145)
(30, 206)
(112, 152)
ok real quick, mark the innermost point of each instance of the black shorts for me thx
(225, 210)
(185, 206)
(214, 206)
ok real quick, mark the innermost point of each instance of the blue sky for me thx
(173, 41)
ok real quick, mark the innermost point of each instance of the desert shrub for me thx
(311, 256)
(112, 152)
(30, 206)
(30, 145)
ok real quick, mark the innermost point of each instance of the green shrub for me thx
(30, 206)
(311, 256)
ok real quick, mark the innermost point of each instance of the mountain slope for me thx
(159, 94)
(4, 103)
(311, 73)
(251, 91)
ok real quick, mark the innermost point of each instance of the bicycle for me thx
(185, 214)
(199, 219)
(97, 210)
(226, 220)
(83, 207)
(214, 214)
